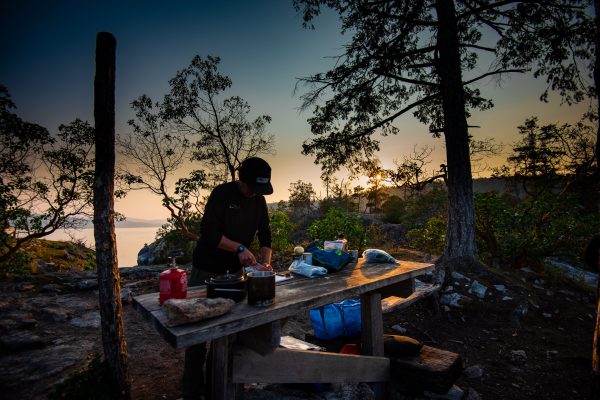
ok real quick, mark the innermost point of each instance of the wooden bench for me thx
(399, 301)
(434, 370)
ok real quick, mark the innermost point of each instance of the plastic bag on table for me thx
(378, 256)
(302, 268)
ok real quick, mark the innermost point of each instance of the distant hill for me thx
(133, 223)
(140, 223)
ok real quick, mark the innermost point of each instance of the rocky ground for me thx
(521, 336)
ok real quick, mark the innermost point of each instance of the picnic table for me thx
(245, 340)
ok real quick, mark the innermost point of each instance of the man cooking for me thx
(235, 212)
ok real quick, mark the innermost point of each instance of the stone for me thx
(126, 296)
(25, 287)
(478, 289)
(75, 304)
(500, 288)
(358, 391)
(51, 288)
(88, 320)
(471, 394)
(454, 300)
(590, 279)
(551, 354)
(185, 311)
(473, 372)
(455, 393)
(17, 320)
(18, 369)
(20, 341)
(449, 289)
(459, 276)
(57, 314)
(518, 356)
(87, 284)
(506, 298)
(398, 328)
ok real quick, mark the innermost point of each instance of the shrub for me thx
(420, 208)
(281, 229)
(393, 210)
(430, 238)
(339, 221)
(537, 227)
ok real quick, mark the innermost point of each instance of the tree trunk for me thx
(595, 392)
(460, 233)
(113, 338)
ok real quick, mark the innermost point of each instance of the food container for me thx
(261, 288)
(227, 286)
(307, 258)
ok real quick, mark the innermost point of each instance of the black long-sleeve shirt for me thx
(231, 214)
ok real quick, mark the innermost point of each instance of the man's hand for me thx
(247, 258)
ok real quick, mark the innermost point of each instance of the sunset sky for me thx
(47, 52)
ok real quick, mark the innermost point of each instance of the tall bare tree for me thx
(111, 311)
(193, 122)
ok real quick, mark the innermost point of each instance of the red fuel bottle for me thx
(172, 282)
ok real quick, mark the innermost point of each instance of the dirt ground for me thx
(555, 336)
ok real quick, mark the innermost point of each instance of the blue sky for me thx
(47, 52)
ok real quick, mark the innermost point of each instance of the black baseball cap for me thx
(256, 173)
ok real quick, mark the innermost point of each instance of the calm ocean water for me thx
(129, 241)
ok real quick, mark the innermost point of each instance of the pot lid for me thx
(228, 278)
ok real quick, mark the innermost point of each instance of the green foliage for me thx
(281, 230)
(91, 383)
(301, 202)
(339, 221)
(421, 208)
(172, 237)
(416, 210)
(393, 210)
(19, 265)
(552, 149)
(535, 228)
(65, 256)
(431, 237)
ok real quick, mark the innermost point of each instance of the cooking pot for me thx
(227, 286)
(261, 288)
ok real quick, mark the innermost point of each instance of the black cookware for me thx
(229, 286)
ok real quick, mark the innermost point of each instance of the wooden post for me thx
(111, 312)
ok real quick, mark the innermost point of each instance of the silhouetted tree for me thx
(410, 56)
(192, 122)
(302, 201)
(45, 181)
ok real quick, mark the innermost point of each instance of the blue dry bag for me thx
(337, 319)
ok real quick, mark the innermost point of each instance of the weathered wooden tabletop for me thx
(292, 297)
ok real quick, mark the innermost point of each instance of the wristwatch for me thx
(241, 248)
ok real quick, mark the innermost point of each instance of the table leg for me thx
(372, 324)
(372, 332)
(221, 386)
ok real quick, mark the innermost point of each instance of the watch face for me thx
(241, 248)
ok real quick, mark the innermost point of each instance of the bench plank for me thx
(300, 366)
(394, 303)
